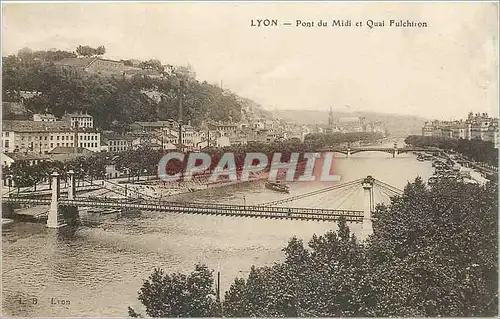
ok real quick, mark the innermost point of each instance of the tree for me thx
(177, 294)
(88, 51)
(434, 251)
(152, 65)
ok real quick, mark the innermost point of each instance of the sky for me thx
(442, 71)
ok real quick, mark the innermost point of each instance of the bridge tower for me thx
(348, 154)
(366, 228)
(54, 220)
(395, 150)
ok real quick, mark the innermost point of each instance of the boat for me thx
(278, 186)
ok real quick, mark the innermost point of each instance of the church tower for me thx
(330, 117)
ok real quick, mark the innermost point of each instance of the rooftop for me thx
(76, 62)
(34, 126)
(77, 115)
(116, 136)
(68, 150)
(26, 156)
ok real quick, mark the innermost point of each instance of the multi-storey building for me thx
(44, 118)
(42, 137)
(431, 129)
(478, 126)
(83, 120)
(223, 129)
(116, 142)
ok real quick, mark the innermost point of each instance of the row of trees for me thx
(433, 253)
(144, 161)
(323, 139)
(88, 51)
(24, 175)
(476, 149)
(112, 101)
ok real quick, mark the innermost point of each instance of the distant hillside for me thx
(397, 125)
(251, 109)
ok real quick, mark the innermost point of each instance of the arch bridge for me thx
(348, 151)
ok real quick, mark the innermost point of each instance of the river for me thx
(99, 268)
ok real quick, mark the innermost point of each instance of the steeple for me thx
(330, 117)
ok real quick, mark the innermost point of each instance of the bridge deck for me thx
(204, 208)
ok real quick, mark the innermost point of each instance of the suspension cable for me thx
(316, 192)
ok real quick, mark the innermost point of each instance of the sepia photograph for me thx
(249, 159)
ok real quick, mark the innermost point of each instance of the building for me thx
(83, 120)
(30, 158)
(44, 118)
(42, 137)
(476, 126)
(116, 142)
(63, 153)
(147, 127)
(105, 67)
(94, 65)
(223, 129)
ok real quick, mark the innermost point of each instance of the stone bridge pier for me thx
(57, 214)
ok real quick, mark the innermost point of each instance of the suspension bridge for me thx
(374, 191)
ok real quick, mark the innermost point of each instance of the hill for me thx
(115, 100)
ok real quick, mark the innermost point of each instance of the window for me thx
(51, 145)
(6, 134)
(6, 144)
(71, 137)
(45, 137)
(58, 137)
(57, 144)
(51, 137)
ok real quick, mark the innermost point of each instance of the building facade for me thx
(476, 126)
(83, 120)
(42, 137)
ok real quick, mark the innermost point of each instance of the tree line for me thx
(433, 253)
(144, 160)
(475, 150)
(331, 139)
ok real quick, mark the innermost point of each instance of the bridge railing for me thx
(164, 205)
